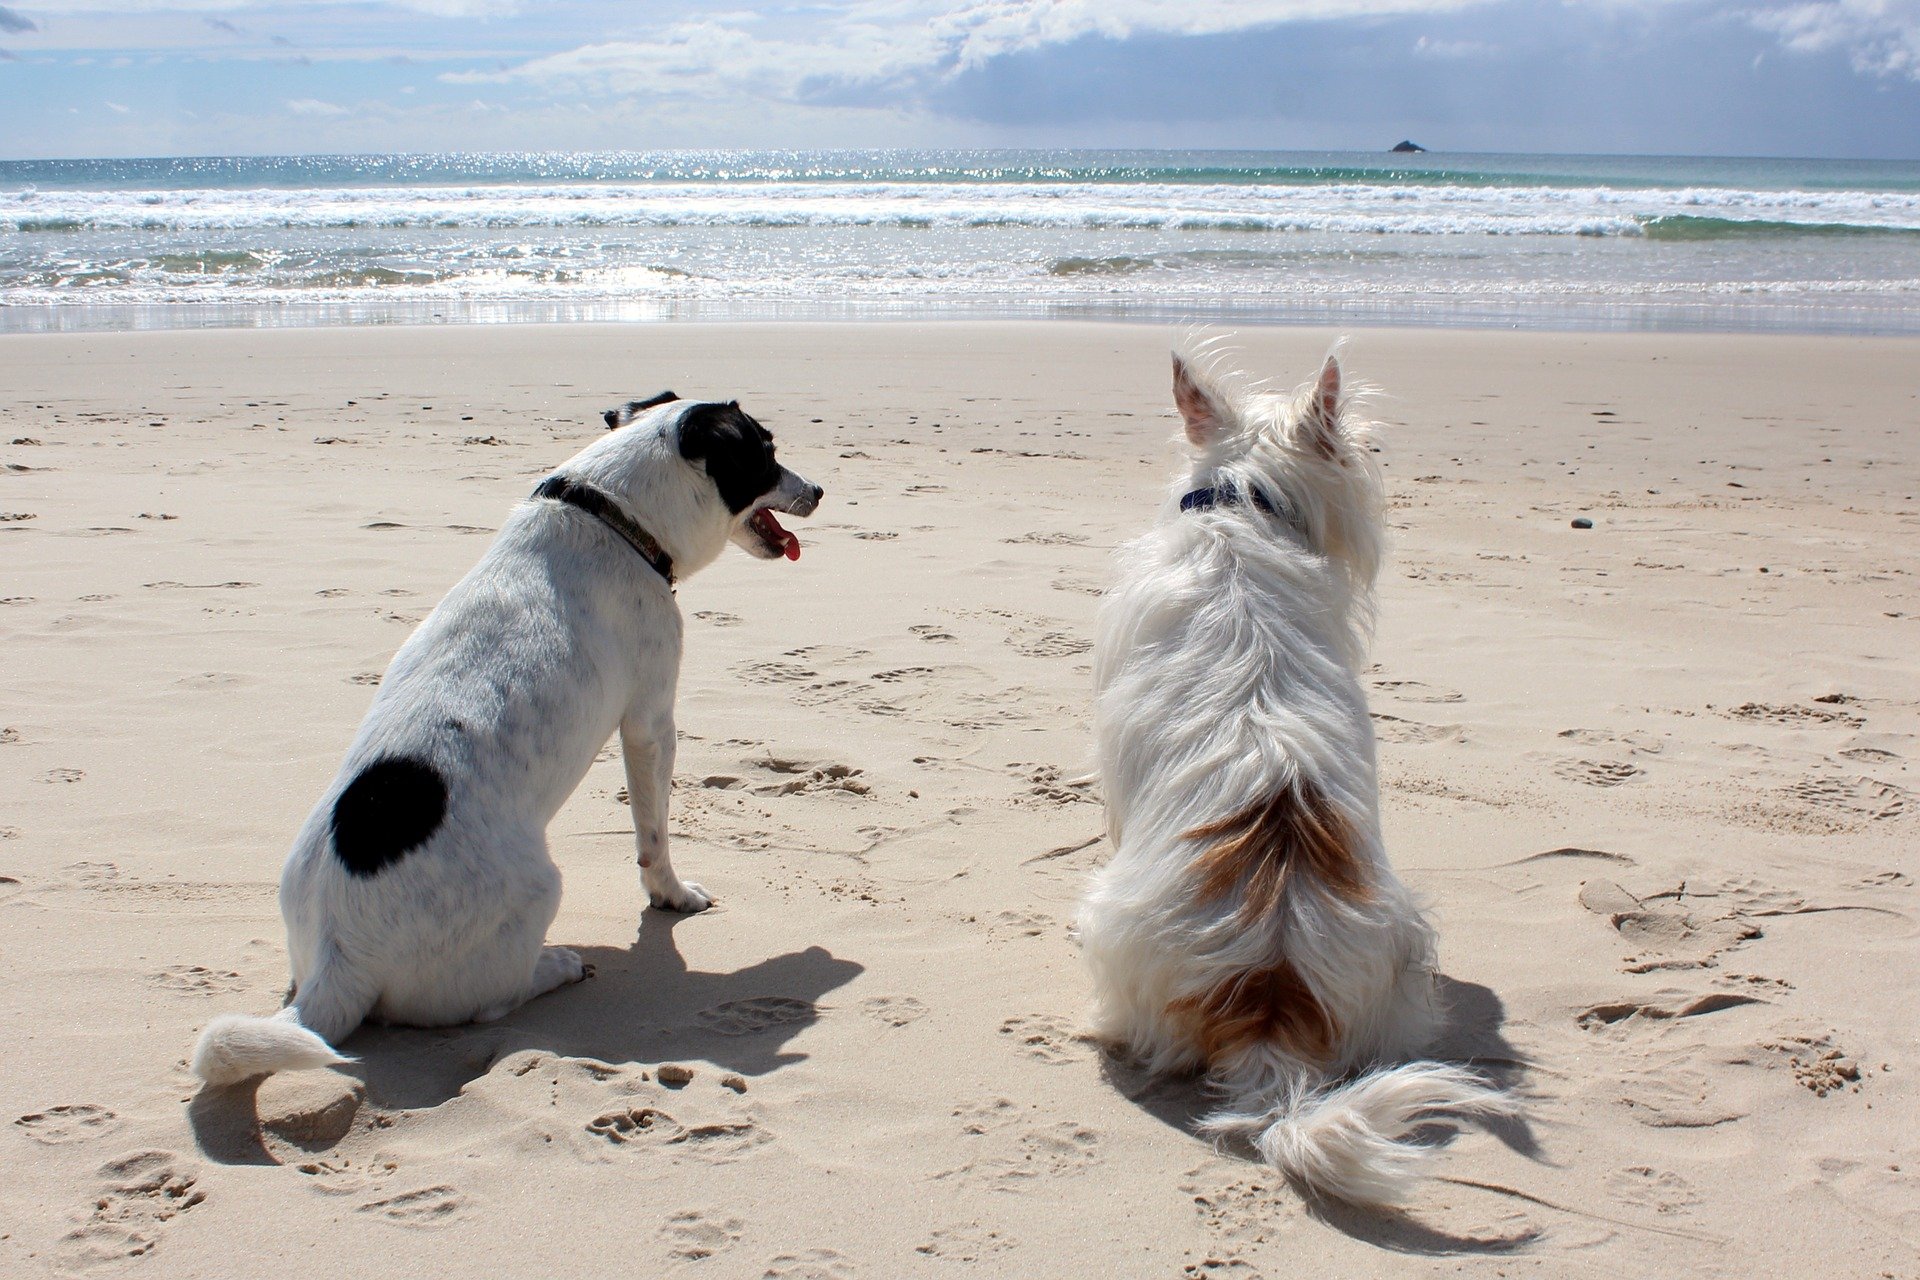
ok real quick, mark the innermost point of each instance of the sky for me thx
(116, 78)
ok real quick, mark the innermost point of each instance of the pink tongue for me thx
(789, 545)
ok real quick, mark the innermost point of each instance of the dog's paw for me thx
(683, 896)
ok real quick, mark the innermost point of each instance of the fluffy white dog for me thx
(420, 889)
(1249, 924)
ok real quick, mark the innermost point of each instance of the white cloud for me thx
(1879, 37)
(314, 107)
(868, 42)
(1427, 47)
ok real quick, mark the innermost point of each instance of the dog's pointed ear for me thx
(1198, 408)
(1323, 409)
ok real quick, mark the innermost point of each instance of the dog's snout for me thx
(806, 496)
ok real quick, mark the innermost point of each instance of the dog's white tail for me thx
(237, 1046)
(1349, 1140)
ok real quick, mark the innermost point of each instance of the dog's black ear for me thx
(736, 451)
(1197, 405)
(634, 408)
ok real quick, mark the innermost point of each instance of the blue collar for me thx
(1227, 494)
(1224, 494)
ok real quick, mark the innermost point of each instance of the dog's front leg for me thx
(647, 748)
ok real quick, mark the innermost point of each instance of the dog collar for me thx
(1224, 494)
(611, 514)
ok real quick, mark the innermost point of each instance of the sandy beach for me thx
(1656, 778)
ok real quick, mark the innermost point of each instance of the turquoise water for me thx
(1534, 241)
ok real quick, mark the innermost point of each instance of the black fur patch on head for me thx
(389, 809)
(634, 408)
(736, 450)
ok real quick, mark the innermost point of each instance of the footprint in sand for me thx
(1078, 586)
(809, 1264)
(1047, 1037)
(1052, 644)
(1415, 691)
(1668, 1093)
(170, 585)
(1792, 716)
(716, 1142)
(1236, 1204)
(9, 736)
(774, 672)
(196, 980)
(1869, 755)
(760, 1013)
(1633, 1014)
(895, 1011)
(1597, 773)
(718, 618)
(1660, 1190)
(933, 634)
(798, 777)
(1013, 1151)
(1048, 539)
(1664, 934)
(425, 1209)
(1411, 732)
(1632, 740)
(965, 1242)
(694, 1234)
(1047, 786)
(1856, 797)
(1004, 925)
(1818, 1065)
(72, 1122)
(143, 1193)
(62, 775)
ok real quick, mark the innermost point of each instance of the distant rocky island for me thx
(1405, 145)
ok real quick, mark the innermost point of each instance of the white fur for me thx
(560, 635)
(1226, 669)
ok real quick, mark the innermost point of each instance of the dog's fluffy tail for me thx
(1349, 1141)
(237, 1046)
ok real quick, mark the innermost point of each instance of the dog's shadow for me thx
(643, 1005)
(1474, 1037)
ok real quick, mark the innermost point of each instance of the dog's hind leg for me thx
(557, 967)
(647, 746)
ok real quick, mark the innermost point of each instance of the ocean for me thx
(1567, 242)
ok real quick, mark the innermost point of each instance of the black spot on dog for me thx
(634, 408)
(386, 812)
(736, 451)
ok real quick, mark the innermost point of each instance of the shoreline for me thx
(1579, 316)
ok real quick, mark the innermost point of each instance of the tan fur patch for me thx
(1259, 1006)
(1259, 852)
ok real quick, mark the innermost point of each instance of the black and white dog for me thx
(420, 889)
